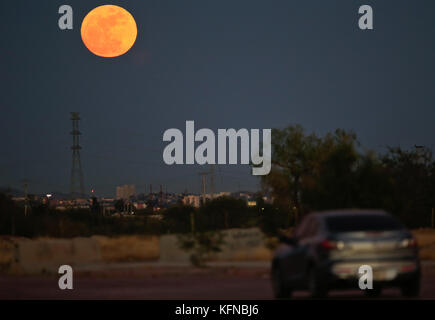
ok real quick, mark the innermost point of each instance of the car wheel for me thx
(373, 293)
(280, 288)
(317, 289)
(411, 288)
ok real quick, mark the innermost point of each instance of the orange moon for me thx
(109, 31)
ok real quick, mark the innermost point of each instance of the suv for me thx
(328, 248)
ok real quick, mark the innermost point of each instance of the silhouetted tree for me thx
(412, 176)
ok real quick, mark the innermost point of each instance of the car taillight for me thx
(332, 245)
(408, 268)
(409, 243)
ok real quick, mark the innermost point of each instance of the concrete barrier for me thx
(243, 245)
(239, 245)
(36, 256)
(47, 255)
(32, 256)
(86, 251)
(170, 250)
(7, 253)
(128, 248)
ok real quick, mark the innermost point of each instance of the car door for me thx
(304, 254)
(294, 259)
(308, 246)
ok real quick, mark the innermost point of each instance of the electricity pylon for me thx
(76, 170)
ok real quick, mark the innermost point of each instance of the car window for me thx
(300, 229)
(312, 228)
(307, 229)
(355, 223)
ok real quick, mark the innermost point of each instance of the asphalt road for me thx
(156, 283)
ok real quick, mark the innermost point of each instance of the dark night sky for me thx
(226, 63)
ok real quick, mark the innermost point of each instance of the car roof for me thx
(348, 212)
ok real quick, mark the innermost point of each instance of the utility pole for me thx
(433, 218)
(13, 224)
(212, 189)
(161, 196)
(203, 184)
(26, 196)
(192, 221)
(151, 198)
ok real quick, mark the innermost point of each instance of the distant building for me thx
(125, 192)
(196, 200)
(192, 200)
(218, 195)
(19, 199)
(140, 205)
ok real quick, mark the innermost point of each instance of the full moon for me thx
(109, 31)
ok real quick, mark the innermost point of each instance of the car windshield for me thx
(369, 222)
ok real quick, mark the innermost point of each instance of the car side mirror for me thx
(288, 240)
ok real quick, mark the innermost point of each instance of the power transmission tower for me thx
(204, 175)
(76, 170)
